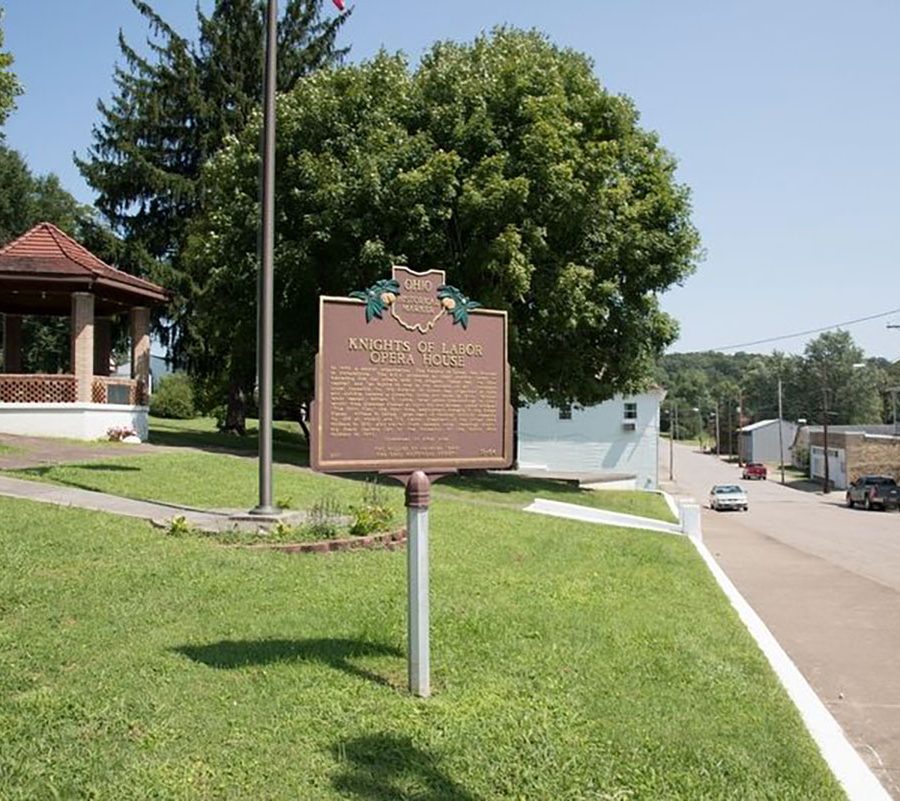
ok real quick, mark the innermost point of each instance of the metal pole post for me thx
(825, 489)
(266, 274)
(419, 658)
(718, 446)
(780, 434)
(671, 443)
(740, 425)
(894, 391)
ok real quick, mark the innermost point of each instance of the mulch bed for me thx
(391, 540)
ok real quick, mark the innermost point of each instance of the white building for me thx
(617, 439)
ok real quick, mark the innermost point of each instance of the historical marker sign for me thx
(411, 375)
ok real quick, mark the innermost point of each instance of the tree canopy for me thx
(503, 162)
(10, 88)
(833, 368)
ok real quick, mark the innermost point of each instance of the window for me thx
(631, 411)
(565, 413)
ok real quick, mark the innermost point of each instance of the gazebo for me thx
(46, 272)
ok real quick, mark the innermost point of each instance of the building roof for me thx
(42, 268)
(884, 429)
(763, 424)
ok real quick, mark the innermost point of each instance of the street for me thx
(826, 581)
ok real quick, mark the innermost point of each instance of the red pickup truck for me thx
(755, 470)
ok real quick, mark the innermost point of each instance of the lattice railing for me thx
(117, 390)
(37, 388)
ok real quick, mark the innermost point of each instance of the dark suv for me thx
(874, 492)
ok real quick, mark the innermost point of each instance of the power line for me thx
(810, 331)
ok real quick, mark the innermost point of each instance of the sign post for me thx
(412, 382)
(418, 491)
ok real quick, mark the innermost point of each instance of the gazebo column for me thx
(83, 344)
(12, 343)
(102, 345)
(140, 350)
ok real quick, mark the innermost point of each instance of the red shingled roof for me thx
(46, 252)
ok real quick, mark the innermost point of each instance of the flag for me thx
(339, 4)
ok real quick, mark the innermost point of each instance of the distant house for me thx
(160, 367)
(760, 442)
(617, 440)
(853, 451)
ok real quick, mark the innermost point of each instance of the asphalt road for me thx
(826, 581)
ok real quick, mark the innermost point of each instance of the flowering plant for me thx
(118, 433)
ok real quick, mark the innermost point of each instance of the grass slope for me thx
(214, 480)
(570, 662)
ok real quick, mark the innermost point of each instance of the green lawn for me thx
(214, 480)
(569, 662)
(288, 443)
(289, 447)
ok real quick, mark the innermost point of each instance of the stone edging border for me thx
(391, 541)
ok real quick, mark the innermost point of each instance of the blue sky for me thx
(784, 117)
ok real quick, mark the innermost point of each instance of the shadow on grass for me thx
(336, 653)
(510, 482)
(387, 767)
(47, 472)
(287, 448)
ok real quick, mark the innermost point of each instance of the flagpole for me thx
(266, 288)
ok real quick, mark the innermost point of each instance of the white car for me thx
(727, 496)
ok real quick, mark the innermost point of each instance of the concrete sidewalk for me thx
(160, 514)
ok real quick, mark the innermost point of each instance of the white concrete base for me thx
(87, 421)
(618, 484)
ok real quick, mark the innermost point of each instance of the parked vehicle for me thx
(727, 496)
(755, 470)
(874, 492)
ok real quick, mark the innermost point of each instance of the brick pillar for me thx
(12, 343)
(102, 345)
(140, 350)
(83, 344)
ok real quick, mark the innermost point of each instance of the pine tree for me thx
(171, 111)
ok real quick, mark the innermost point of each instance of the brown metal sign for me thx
(411, 375)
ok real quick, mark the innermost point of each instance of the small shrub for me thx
(282, 532)
(118, 433)
(373, 514)
(369, 519)
(322, 522)
(174, 398)
(179, 527)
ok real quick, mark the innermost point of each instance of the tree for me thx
(836, 376)
(503, 162)
(173, 110)
(10, 88)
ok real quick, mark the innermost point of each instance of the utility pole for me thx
(825, 489)
(718, 446)
(740, 425)
(671, 443)
(894, 391)
(780, 433)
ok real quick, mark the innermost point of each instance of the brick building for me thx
(854, 451)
